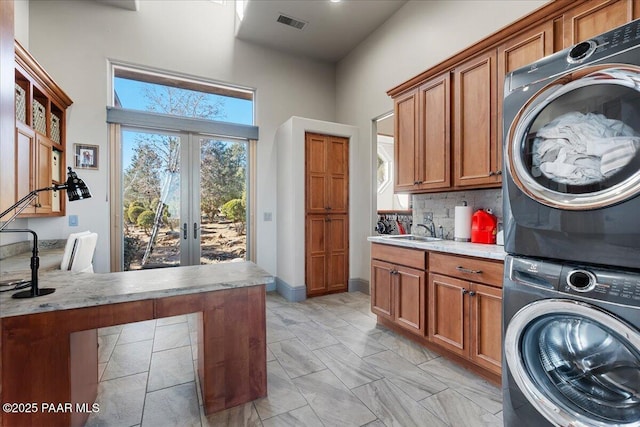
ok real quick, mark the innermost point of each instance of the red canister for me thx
(484, 227)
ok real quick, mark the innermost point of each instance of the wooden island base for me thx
(50, 359)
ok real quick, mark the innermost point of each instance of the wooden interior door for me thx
(317, 199)
(337, 253)
(316, 254)
(338, 174)
(326, 213)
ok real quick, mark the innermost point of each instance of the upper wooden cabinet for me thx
(439, 111)
(422, 144)
(406, 141)
(518, 51)
(327, 165)
(40, 131)
(434, 137)
(596, 17)
(475, 121)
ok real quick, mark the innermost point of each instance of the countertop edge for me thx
(478, 250)
(83, 290)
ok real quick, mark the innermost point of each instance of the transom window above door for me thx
(134, 89)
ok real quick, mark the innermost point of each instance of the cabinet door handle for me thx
(195, 230)
(327, 208)
(184, 231)
(464, 291)
(498, 172)
(467, 270)
(472, 293)
(492, 173)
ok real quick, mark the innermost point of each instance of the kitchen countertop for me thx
(479, 250)
(17, 266)
(78, 290)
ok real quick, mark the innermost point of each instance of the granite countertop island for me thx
(78, 290)
(479, 250)
(52, 340)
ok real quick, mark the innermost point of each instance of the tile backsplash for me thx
(442, 205)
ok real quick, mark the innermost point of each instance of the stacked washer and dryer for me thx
(571, 310)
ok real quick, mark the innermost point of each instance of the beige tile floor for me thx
(328, 364)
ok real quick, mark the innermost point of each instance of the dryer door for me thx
(576, 364)
(576, 144)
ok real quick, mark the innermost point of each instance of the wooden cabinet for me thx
(406, 142)
(398, 286)
(474, 96)
(465, 308)
(326, 214)
(518, 51)
(596, 17)
(327, 165)
(476, 149)
(327, 254)
(422, 144)
(40, 132)
(434, 122)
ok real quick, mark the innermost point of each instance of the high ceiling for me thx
(332, 30)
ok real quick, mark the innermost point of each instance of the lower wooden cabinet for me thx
(456, 306)
(398, 292)
(466, 319)
(327, 254)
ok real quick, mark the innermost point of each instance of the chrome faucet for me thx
(431, 228)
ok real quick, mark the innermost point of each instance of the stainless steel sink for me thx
(413, 237)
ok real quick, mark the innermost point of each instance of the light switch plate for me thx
(268, 216)
(73, 220)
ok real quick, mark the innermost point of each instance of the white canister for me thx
(462, 225)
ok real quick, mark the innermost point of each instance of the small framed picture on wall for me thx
(86, 156)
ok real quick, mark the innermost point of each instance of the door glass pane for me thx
(223, 200)
(584, 366)
(151, 200)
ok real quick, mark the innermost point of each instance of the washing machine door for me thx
(575, 363)
(575, 144)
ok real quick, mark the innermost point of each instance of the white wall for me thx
(21, 22)
(418, 36)
(73, 41)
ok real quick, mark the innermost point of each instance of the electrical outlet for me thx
(428, 216)
(268, 216)
(73, 220)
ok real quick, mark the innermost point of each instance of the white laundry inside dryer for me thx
(582, 149)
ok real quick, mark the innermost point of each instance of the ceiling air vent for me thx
(292, 22)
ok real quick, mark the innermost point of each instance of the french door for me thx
(183, 198)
